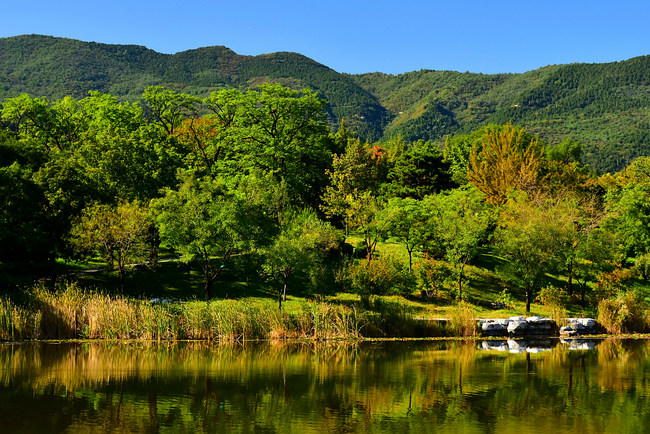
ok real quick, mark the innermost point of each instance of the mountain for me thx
(52, 67)
(604, 106)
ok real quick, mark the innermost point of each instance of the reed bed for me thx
(69, 312)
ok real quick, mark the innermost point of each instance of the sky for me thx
(483, 36)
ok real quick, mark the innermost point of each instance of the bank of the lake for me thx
(73, 313)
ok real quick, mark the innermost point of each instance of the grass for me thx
(70, 312)
(245, 306)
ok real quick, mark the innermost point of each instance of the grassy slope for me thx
(179, 281)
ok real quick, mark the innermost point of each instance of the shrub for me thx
(432, 277)
(463, 320)
(555, 300)
(625, 313)
(381, 276)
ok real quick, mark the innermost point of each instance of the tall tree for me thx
(458, 223)
(300, 245)
(506, 160)
(208, 224)
(117, 232)
(534, 236)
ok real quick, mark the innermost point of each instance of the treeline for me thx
(260, 174)
(603, 106)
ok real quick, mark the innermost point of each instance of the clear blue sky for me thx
(487, 36)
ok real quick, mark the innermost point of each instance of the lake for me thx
(386, 386)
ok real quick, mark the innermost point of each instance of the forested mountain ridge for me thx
(46, 66)
(604, 106)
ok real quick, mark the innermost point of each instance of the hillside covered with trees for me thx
(605, 107)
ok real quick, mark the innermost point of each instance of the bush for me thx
(381, 276)
(432, 277)
(626, 313)
(642, 266)
(555, 300)
(463, 320)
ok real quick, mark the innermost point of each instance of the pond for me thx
(388, 386)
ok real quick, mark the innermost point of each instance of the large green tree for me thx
(207, 224)
(458, 223)
(534, 236)
(116, 232)
(300, 245)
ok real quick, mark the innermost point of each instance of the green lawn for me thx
(179, 281)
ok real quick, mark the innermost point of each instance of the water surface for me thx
(416, 386)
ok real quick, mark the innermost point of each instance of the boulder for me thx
(518, 327)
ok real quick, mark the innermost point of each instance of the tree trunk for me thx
(570, 278)
(121, 279)
(528, 297)
(207, 289)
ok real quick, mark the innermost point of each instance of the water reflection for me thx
(336, 387)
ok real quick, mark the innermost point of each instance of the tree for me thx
(508, 159)
(533, 236)
(118, 233)
(407, 221)
(355, 172)
(458, 223)
(419, 171)
(274, 131)
(207, 223)
(300, 245)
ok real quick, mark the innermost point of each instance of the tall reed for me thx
(70, 312)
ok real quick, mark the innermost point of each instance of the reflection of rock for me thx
(579, 344)
(495, 345)
(518, 346)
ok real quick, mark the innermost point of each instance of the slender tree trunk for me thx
(121, 267)
(570, 278)
(528, 297)
(410, 260)
(208, 287)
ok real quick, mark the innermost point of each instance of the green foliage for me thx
(302, 242)
(603, 106)
(418, 171)
(381, 276)
(208, 224)
(533, 236)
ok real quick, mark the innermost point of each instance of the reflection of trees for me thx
(335, 387)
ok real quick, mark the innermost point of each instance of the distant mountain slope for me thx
(54, 67)
(605, 106)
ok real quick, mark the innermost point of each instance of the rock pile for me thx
(518, 326)
(580, 326)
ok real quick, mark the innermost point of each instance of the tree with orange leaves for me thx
(508, 159)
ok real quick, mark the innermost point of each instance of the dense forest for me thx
(603, 106)
(257, 179)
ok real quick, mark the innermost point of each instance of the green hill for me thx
(604, 106)
(52, 67)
